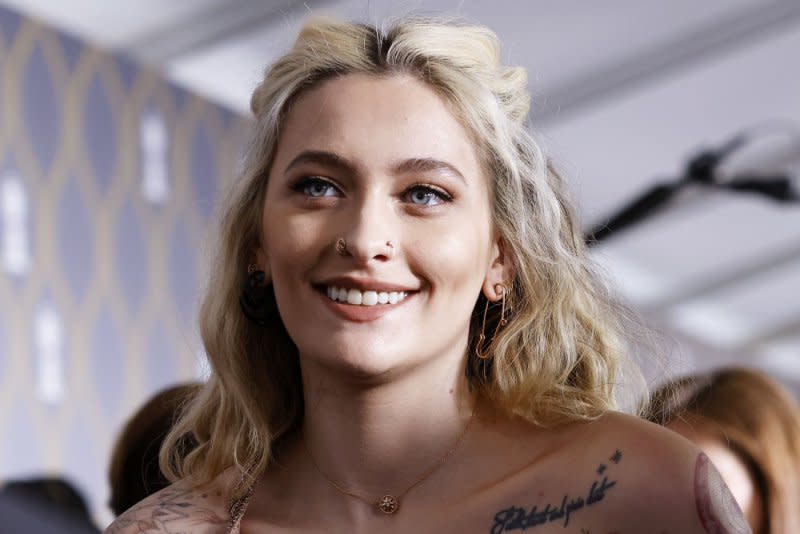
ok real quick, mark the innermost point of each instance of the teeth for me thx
(365, 298)
(354, 296)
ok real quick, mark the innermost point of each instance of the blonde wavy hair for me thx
(560, 355)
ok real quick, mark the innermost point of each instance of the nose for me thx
(369, 236)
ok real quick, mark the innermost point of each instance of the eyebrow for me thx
(321, 157)
(411, 165)
(420, 165)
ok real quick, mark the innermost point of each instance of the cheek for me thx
(290, 243)
(454, 255)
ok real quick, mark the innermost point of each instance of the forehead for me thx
(376, 119)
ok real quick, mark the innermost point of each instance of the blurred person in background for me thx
(749, 426)
(44, 506)
(134, 472)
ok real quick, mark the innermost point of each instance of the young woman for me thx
(749, 426)
(419, 344)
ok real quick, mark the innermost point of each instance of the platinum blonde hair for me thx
(558, 358)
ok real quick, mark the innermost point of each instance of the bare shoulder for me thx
(661, 480)
(177, 509)
(617, 474)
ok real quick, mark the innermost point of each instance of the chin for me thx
(367, 365)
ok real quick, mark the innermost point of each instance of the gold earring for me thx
(503, 318)
(480, 351)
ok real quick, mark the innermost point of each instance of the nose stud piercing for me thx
(341, 247)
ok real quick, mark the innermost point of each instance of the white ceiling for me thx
(624, 92)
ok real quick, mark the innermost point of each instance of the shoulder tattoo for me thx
(174, 511)
(719, 513)
(519, 518)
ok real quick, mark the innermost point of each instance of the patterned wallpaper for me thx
(109, 177)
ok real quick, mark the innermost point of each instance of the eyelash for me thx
(302, 185)
(441, 194)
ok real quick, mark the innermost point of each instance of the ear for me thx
(499, 271)
(263, 264)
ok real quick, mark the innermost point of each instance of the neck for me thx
(382, 439)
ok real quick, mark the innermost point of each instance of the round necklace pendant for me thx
(388, 504)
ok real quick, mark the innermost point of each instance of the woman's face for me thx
(381, 163)
(730, 466)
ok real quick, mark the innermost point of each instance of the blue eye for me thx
(316, 187)
(423, 195)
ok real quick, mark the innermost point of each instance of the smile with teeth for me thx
(365, 298)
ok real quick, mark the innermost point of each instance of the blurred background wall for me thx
(108, 178)
(110, 173)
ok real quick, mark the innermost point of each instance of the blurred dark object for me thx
(770, 175)
(134, 472)
(43, 505)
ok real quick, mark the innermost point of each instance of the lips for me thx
(361, 299)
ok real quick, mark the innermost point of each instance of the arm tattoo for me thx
(174, 512)
(518, 518)
(719, 513)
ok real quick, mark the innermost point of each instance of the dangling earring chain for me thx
(389, 504)
(480, 350)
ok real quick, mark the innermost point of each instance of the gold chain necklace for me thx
(389, 504)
